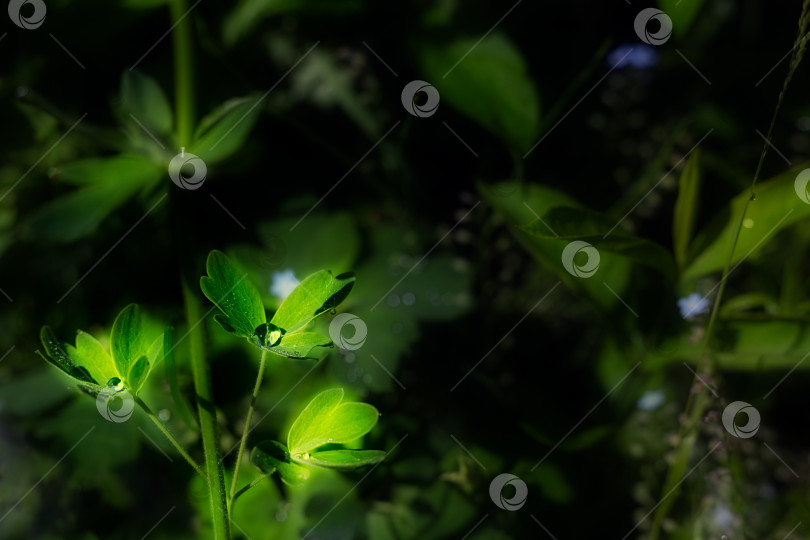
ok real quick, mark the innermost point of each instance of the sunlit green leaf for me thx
(56, 355)
(315, 295)
(234, 295)
(302, 345)
(92, 355)
(326, 420)
(345, 459)
(127, 341)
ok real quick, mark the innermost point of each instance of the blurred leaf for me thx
(487, 81)
(249, 13)
(682, 14)
(272, 456)
(225, 130)
(345, 459)
(171, 377)
(686, 207)
(142, 97)
(234, 295)
(325, 420)
(569, 224)
(316, 294)
(123, 169)
(137, 374)
(776, 207)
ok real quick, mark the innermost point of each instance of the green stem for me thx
(183, 71)
(208, 416)
(247, 487)
(246, 430)
(169, 436)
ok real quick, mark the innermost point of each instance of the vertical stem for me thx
(246, 430)
(169, 436)
(208, 417)
(183, 72)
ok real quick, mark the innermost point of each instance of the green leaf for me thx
(225, 130)
(127, 342)
(325, 420)
(142, 97)
(682, 14)
(303, 345)
(137, 374)
(686, 207)
(271, 456)
(569, 224)
(235, 296)
(248, 13)
(316, 294)
(171, 377)
(92, 355)
(120, 170)
(56, 355)
(345, 459)
(776, 207)
(488, 82)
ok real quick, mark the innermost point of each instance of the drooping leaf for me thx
(271, 456)
(56, 355)
(315, 295)
(127, 341)
(686, 207)
(344, 459)
(563, 225)
(487, 81)
(142, 97)
(122, 169)
(234, 295)
(225, 130)
(325, 420)
(776, 207)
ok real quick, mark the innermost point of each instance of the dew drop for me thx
(748, 223)
(164, 415)
(753, 196)
(332, 311)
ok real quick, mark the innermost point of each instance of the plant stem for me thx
(183, 72)
(247, 487)
(208, 417)
(169, 436)
(246, 430)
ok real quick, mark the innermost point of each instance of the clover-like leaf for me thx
(93, 367)
(271, 456)
(311, 345)
(237, 298)
(326, 420)
(316, 294)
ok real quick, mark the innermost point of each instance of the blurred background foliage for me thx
(549, 130)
